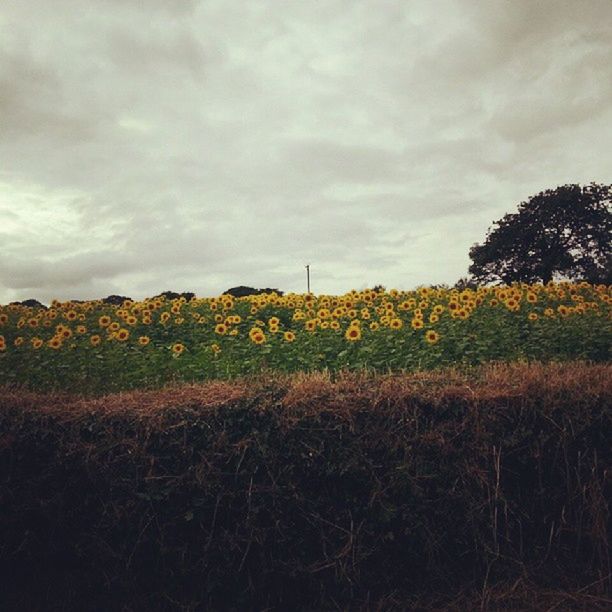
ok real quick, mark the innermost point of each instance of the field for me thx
(95, 348)
(429, 449)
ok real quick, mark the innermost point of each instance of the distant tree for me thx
(379, 288)
(31, 303)
(173, 295)
(565, 232)
(242, 291)
(465, 283)
(116, 300)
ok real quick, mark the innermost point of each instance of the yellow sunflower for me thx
(431, 336)
(352, 333)
(258, 337)
(36, 343)
(221, 329)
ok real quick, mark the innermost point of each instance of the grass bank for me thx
(311, 492)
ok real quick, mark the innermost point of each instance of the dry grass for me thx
(400, 433)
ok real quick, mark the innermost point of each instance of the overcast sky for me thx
(198, 145)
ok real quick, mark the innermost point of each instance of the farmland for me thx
(376, 450)
(93, 347)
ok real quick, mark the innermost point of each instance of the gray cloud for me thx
(197, 145)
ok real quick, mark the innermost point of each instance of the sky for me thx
(193, 145)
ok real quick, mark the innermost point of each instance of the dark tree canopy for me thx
(31, 303)
(561, 233)
(243, 291)
(173, 295)
(116, 300)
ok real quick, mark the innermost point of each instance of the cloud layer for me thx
(198, 145)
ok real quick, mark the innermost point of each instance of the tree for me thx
(565, 232)
(173, 295)
(116, 300)
(465, 283)
(243, 291)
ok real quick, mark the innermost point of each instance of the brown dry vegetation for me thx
(345, 491)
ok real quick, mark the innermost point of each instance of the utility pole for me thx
(308, 277)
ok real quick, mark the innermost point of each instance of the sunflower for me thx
(36, 343)
(273, 322)
(18, 341)
(396, 324)
(164, 316)
(122, 334)
(81, 329)
(95, 340)
(177, 349)
(104, 321)
(417, 324)
(512, 304)
(353, 333)
(3, 318)
(215, 348)
(335, 325)
(438, 309)
(310, 325)
(221, 329)
(55, 342)
(255, 331)
(144, 340)
(433, 318)
(113, 327)
(374, 325)
(532, 316)
(257, 337)
(289, 336)
(431, 336)
(71, 315)
(33, 322)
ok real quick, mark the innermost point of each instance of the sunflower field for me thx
(93, 347)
